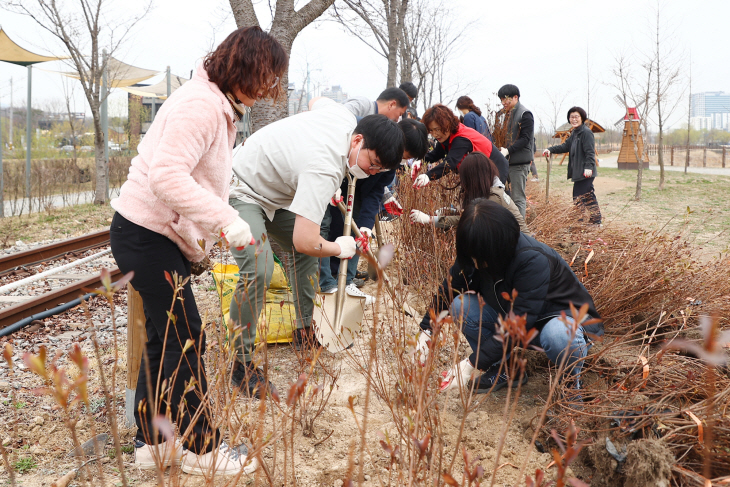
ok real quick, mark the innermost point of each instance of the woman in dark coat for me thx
(582, 163)
(494, 258)
(472, 116)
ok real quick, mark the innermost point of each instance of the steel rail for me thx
(17, 312)
(53, 251)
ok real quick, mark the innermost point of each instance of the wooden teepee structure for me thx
(632, 131)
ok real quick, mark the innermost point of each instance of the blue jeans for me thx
(478, 327)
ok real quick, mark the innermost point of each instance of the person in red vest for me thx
(454, 141)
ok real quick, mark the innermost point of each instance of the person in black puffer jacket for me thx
(493, 257)
(582, 163)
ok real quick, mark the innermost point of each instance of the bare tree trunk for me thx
(285, 27)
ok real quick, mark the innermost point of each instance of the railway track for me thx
(20, 263)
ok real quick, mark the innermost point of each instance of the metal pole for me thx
(169, 83)
(10, 135)
(105, 120)
(547, 178)
(28, 136)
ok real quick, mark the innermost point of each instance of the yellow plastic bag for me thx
(280, 314)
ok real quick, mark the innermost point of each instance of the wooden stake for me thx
(547, 178)
(136, 339)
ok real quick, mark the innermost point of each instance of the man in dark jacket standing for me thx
(519, 150)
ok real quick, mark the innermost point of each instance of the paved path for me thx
(610, 161)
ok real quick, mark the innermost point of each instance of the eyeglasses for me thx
(574, 117)
(376, 167)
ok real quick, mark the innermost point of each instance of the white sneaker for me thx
(331, 290)
(352, 290)
(222, 461)
(165, 454)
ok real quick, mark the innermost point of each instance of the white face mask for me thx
(356, 171)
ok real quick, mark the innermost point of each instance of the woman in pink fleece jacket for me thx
(173, 203)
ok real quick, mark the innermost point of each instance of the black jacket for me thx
(545, 284)
(455, 153)
(582, 148)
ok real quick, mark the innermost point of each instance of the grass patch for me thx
(690, 203)
(25, 465)
(64, 222)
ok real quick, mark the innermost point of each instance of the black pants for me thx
(585, 196)
(149, 255)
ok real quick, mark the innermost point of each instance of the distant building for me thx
(335, 93)
(710, 110)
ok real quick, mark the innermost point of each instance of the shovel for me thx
(338, 318)
(407, 309)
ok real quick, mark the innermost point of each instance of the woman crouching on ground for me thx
(494, 257)
(176, 196)
(479, 179)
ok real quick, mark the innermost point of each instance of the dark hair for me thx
(415, 137)
(248, 60)
(477, 173)
(508, 91)
(579, 111)
(410, 89)
(487, 233)
(384, 136)
(413, 114)
(442, 116)
(396, 94)
(465, 103)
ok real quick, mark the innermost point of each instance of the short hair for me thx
(384, 136)
(410, 89)
(396, 94)
(477, 173)
(442, 116)
(415, 137)
(466, 103)
(487, 233)
(579, 111)
(248, 60)
(508, 91)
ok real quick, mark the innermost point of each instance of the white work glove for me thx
(421, 181)
(587, 173)
(546, 153)
(457, 376)
(420, 217)
(414, 169)
(422, 346)
(238, 234)
(348, 247)
(365, 231)
(504, 152)
(392, 206)
(336, 198)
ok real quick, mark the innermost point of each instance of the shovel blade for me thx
(323, 320)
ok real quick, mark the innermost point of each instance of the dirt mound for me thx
(648, 463)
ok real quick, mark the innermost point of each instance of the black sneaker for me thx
(490, 378)
(304, 339)
(387, 217)
(251, 381)
(362, 275)
(358, 282)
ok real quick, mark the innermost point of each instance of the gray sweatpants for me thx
(518, 179)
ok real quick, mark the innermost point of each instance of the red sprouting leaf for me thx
(295, 389)
(449, 479)
(168, 278)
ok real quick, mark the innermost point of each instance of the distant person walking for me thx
(473, 116)
(581, 147)
(176, 197)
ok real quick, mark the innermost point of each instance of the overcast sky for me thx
(539, 46)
